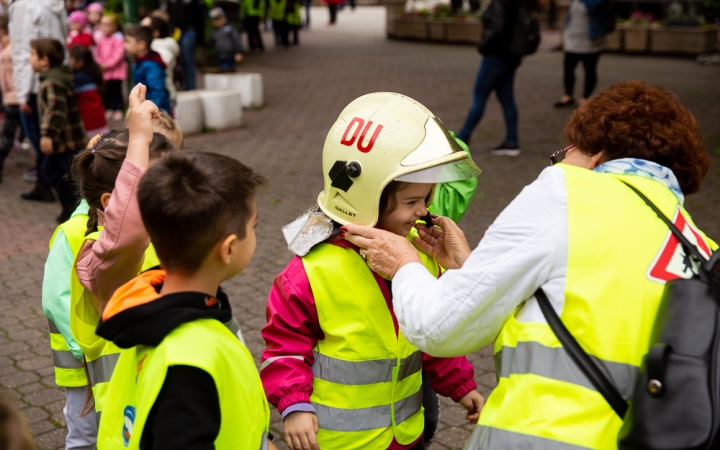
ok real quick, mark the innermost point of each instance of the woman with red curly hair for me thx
(578, 235)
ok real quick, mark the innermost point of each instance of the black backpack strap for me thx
(580, 357)
(678, 234)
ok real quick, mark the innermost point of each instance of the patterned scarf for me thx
(645, 169)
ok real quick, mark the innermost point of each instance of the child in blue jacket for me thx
(149, 68)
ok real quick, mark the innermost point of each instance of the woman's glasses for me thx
(559, 155)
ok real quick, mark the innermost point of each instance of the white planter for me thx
(189, 112)
(222, 108)
(249, 85)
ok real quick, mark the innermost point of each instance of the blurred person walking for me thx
(507, 37)
(251, 12)
(110, 55)
(33, 19)
(333, 8)
(588, 22)
(10, 104)
(189, 17)
(279, 24)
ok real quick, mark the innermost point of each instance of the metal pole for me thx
(130, 9)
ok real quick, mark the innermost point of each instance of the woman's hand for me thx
(140, 115)
(384, 251)
(473, 402)
(300, 430)
(446, 244)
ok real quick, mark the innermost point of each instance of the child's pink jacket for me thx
(293, 328)
(116, 258)
(110, 51)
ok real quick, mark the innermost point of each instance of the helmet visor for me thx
(462, 169)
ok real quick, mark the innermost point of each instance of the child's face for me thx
(217, 23)
(74, 26)
(38, 64)
(410, 206)
(133, 47)
(107, 26)
(244, 249)
(75, 64)
(94, 17)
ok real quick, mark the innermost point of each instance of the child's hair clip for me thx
(96, 139)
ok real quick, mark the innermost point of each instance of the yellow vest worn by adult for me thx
(543, 401)
(366, 379)
(276, 10)
(69, 371)
(294, 17)
(100, 355)
(208, 345)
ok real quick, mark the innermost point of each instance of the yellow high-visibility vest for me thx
(69, 371)
(543, 400)
(208, 345)
(101, 355)
(366, 379)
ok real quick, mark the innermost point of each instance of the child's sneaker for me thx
(118, 115)
(505, 149)
(108, 114)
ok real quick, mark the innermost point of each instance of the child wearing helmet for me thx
(336, 365)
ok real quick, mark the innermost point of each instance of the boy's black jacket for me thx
(186, 412)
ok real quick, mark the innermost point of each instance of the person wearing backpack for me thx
(588, 22)
(510, 31)
(581, 238)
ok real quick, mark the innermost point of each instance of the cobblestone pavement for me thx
(305, 89)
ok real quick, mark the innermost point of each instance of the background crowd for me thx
(105, 56)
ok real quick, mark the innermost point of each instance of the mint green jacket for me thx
(56, 285)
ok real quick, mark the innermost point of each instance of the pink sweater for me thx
(110, 51)
(117, 256)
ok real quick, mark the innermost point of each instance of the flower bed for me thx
(438, 25)
(692, 40)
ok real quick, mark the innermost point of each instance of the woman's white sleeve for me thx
(464, 309)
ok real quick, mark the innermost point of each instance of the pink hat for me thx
(78, 17)
(97, 7)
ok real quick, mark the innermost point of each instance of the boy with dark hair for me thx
(183, 378)
(225, 41)
(61, 127)
(149, 67)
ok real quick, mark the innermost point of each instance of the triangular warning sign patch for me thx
(671, 261)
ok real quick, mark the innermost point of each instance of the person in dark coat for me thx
(501, 58)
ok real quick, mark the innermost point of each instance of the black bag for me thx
(676, 404)
(526, 35)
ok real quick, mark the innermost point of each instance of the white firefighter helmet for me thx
(379, 138)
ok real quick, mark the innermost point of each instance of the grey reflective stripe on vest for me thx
(52, 327)
(364, 372)
(269, 361)
(264, 441)
(555, 363)
(363, 419)
(102, 368)
(64, 359)
(488, 438)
